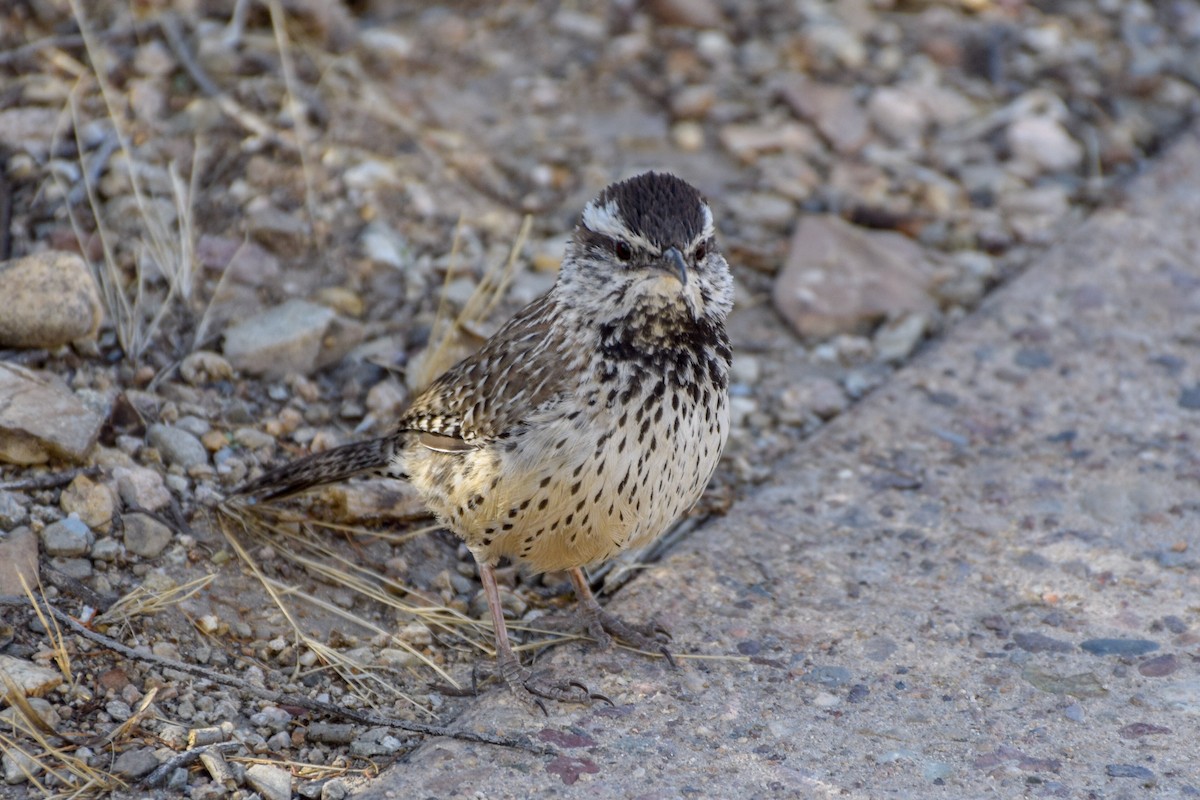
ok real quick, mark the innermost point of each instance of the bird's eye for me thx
(700, 251)
(622, 250)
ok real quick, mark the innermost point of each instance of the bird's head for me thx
(647, 243)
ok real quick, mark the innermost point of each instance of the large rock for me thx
(839, 278)
(297, 336)
(40, 417)
(50, 299)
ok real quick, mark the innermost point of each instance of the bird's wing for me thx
(519, 370)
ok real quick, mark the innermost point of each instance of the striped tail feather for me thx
(321, 468)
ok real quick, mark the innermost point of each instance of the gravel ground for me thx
(224, 252)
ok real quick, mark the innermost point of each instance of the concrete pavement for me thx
(984, 580)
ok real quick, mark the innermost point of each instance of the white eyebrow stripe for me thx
(707, 230)
(606, 220)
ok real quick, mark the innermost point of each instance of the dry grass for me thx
(166, 236)
(143, 601)
(309, 545)
(58, 645)
(456, 336)
(44, 753)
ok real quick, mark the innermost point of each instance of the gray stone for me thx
(106, 549)
(145, 536)
(177, 446)
(297, 336)
(828, 676)
(194, 425)
(334, 790)
(50, 299)
(1042, 144)
(895, 340)
(842, 279)
(41, 418)
(282, 232)
(271, 782)
(13, 512)
(135, 763)
(77, 568)
(18, 560)
(141, 487)
(376, 742)
(29, 128)
(1189, 398)
(246, 262)
(18, 767)
(819, 396)
(67, 537)
(894, 112)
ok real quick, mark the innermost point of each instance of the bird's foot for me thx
(534, 688)
(603, 625)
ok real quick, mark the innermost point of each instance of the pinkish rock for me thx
(831, 108)
(839, 278)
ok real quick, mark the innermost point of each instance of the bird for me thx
(585, 426)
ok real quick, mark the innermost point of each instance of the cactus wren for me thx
(587, 424)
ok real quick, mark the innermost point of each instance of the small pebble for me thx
(12, 511)
(135, 763)
(271, 782)
(142, 487)
(1041, 643)
(376, 742)
(828, 676)
(145, 536)
(177, 445)
(1129, 771)
(1119, 647)
(1189, 398)
(67, 537)
(1159, 666)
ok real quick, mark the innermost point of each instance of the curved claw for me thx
(659, 629)
(581, 686)
(604, 697)
(670, 658)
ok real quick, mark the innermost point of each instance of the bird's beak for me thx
(674, 262)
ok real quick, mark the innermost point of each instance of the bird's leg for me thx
(603, 625)
(520, 680)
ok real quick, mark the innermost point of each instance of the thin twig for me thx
(169, 23)
(68, 41)
(280, 698)
(95, 166)
(164, 770)
(50, 481)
